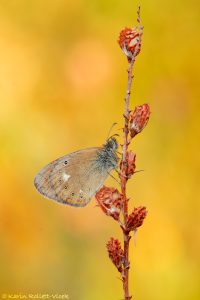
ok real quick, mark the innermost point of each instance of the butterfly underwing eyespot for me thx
(75, 178)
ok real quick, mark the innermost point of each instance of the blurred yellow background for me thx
(62, 85)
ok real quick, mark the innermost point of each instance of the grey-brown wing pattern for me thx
(72, 179)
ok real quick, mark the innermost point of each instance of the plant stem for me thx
(123, 178)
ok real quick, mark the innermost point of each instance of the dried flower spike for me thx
(109, 199)
(136, 218)
(129, 41)
(116, 253)
(139, 119)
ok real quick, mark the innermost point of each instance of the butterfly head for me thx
(111, 144)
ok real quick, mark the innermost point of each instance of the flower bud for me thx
(139, 119)
(136, 218)
(129, 41)
(109, 199)
(115, 253)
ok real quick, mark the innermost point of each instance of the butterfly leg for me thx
(114, 178)
(117, 171)
(120, 153)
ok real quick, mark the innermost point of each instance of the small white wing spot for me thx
(66, 177)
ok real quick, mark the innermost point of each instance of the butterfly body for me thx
(75, 178)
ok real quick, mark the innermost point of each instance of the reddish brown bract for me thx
(109, 199)
(139, 119)
(136, 218)
(130, 164)
(129, 39)
(115, 253)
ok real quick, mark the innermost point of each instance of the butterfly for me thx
(75, 178)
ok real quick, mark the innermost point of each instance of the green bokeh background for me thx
(62, 84)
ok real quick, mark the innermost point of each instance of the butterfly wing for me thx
(72, 179)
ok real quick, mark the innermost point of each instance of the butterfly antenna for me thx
(111, 128)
